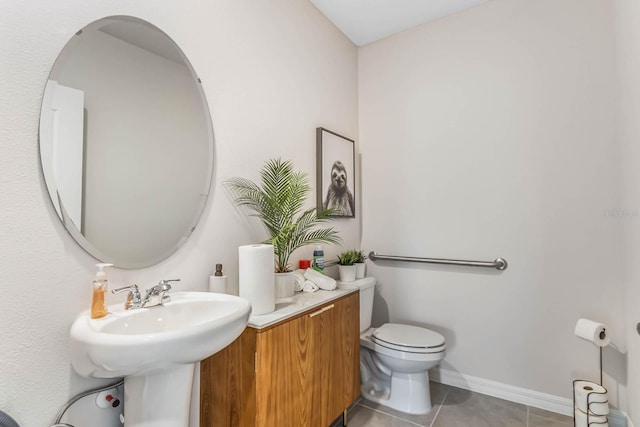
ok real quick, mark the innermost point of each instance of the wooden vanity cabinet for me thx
(303, 371)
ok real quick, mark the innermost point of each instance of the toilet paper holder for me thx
(589, 415)
(593, 332)
(602, 335)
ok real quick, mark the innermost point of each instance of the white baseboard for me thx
(548, 402)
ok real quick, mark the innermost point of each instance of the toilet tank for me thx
(367, 288)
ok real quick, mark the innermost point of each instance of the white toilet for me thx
(395, 358)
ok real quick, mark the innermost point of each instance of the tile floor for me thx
(455, 407)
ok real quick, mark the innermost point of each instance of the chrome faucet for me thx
(133, 298)
(156, 295)
(159, 294)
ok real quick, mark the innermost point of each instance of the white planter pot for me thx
(284, 284)
(359, 270)
(347, 273)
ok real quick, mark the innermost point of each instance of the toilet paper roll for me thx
(592, 331)
(591, 397)
(256, 277)
(581, 420)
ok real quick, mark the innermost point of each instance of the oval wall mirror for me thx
(126, 142)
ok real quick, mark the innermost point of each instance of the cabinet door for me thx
(337, 368)
(348, 329)
(227, 385)
(284, 374)
(327, 393)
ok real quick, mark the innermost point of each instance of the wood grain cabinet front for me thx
(303, 371)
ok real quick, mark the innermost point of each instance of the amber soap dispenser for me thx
(100, 285)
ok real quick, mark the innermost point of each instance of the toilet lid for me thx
(407, 336)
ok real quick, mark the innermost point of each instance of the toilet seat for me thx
(407, 338)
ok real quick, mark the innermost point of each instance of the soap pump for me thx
(218, 282)
(100, 285)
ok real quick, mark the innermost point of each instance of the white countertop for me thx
(301, 301)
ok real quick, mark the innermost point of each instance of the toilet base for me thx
(403, 392)
(407, 393)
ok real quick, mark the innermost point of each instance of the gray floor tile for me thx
(438, 392)
(550, 415)
(455, 407)
(536, 421)
(462, 408)
(361, 416)
(456, 396)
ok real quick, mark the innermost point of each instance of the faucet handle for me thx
(164, 287)
(165, 282)
(133, 298)
(158, 294)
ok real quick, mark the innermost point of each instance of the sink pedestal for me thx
(155, 349)
(159, 399)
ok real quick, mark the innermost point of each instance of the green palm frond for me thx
(278, 202)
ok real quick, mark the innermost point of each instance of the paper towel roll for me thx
(592, 331)
(591, 396)
(581, 420)
(256, 277)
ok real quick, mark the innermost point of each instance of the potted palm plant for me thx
(346, 267)
(279, 204)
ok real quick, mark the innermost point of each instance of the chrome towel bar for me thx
(499, 263)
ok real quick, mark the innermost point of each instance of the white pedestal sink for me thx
(155, 349)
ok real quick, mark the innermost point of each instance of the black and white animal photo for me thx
(339, 197)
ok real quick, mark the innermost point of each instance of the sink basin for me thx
(156, 349)
(192, 327)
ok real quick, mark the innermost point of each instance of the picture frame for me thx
(335, 173)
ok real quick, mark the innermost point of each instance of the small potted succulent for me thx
(346, 267)
(359, 263)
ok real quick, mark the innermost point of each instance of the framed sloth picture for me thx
(335, 173)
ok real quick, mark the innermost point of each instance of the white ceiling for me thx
(365, 21)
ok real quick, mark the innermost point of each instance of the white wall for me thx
(272, 72)
(628, 59)
(489, 134)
